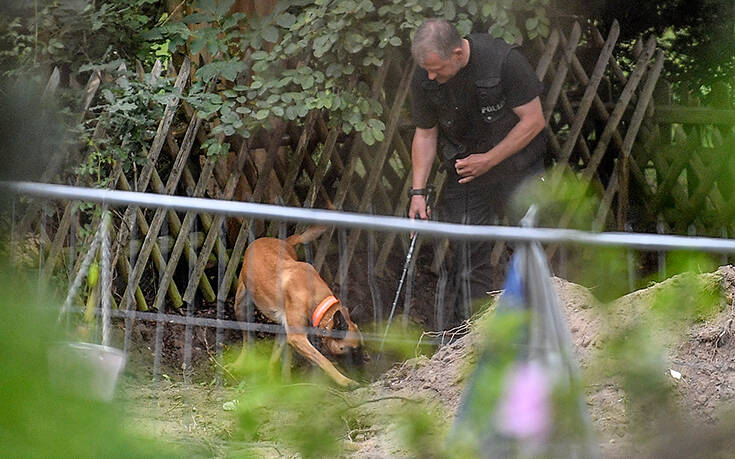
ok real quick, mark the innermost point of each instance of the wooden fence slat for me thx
(189, 184)
(321, 170)
(61, 232)
(214, 231)
(707, 178)
(174, 223)
(242, 237)
(124, 265)
(597, 102)
(617, 71)
(57, 158)
(401, 205)
(147, 171)
(297, 164)
(590, 92)
(301, 150)
(620, 106)
(693, 115)
(393, 119)
(549, 50)
(631, 135)
(184, 231)
(160, 264)
(389, 175)
(665, 188)
(270, 161)
(345, 187)
(561, 73)
(66, 220)
(324, 159)
(160, 214)
(611, 127)
(52, 84)
(355, 150)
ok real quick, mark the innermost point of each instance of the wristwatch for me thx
(418, 191)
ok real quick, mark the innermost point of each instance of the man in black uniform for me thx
(476, 104)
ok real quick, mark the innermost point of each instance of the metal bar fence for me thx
(110, 198)
(637, 241)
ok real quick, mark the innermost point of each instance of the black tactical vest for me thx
(489, 119)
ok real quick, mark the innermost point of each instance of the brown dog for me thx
(291, 293)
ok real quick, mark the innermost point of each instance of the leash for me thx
(406, 264)
(400, 287)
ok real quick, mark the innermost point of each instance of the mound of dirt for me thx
(699, 363)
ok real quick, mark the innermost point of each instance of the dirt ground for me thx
(699, 366)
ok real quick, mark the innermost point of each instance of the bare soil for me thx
(699, 365)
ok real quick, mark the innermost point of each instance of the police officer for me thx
(475, 104)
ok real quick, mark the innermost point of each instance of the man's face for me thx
(442, 70)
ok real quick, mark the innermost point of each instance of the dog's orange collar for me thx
(322, 308)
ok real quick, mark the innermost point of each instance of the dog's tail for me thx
(308, 235)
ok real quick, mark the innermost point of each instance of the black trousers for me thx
(467, 274)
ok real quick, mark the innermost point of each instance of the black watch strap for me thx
(418, 192)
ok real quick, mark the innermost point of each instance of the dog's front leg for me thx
(302, 345)
(280, 352)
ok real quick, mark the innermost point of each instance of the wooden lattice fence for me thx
(596, 114)
(685, 166)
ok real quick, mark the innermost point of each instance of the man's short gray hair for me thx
(435, 35)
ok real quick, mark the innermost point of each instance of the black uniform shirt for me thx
(519, 85)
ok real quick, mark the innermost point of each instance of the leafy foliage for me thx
(698, 35)
(36, 36)
(319, 55)
(305, 55)
(128, 114)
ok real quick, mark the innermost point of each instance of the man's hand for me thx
(474, 166)
(530, 123)
(418, 207)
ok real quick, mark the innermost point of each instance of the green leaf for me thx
(197, 45)
(260, 67)
(322, 44)
(307, 82)
(222, 8)
(212, 47)
(334, 70)
(286, 20)
(376, 124)
(291, 113)
(226, 69)
(208, 5)
(262, 114)
(197, 18)
(450, 12)
(278, 111)
(270, 34)
(367, 137)
(378, 134)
